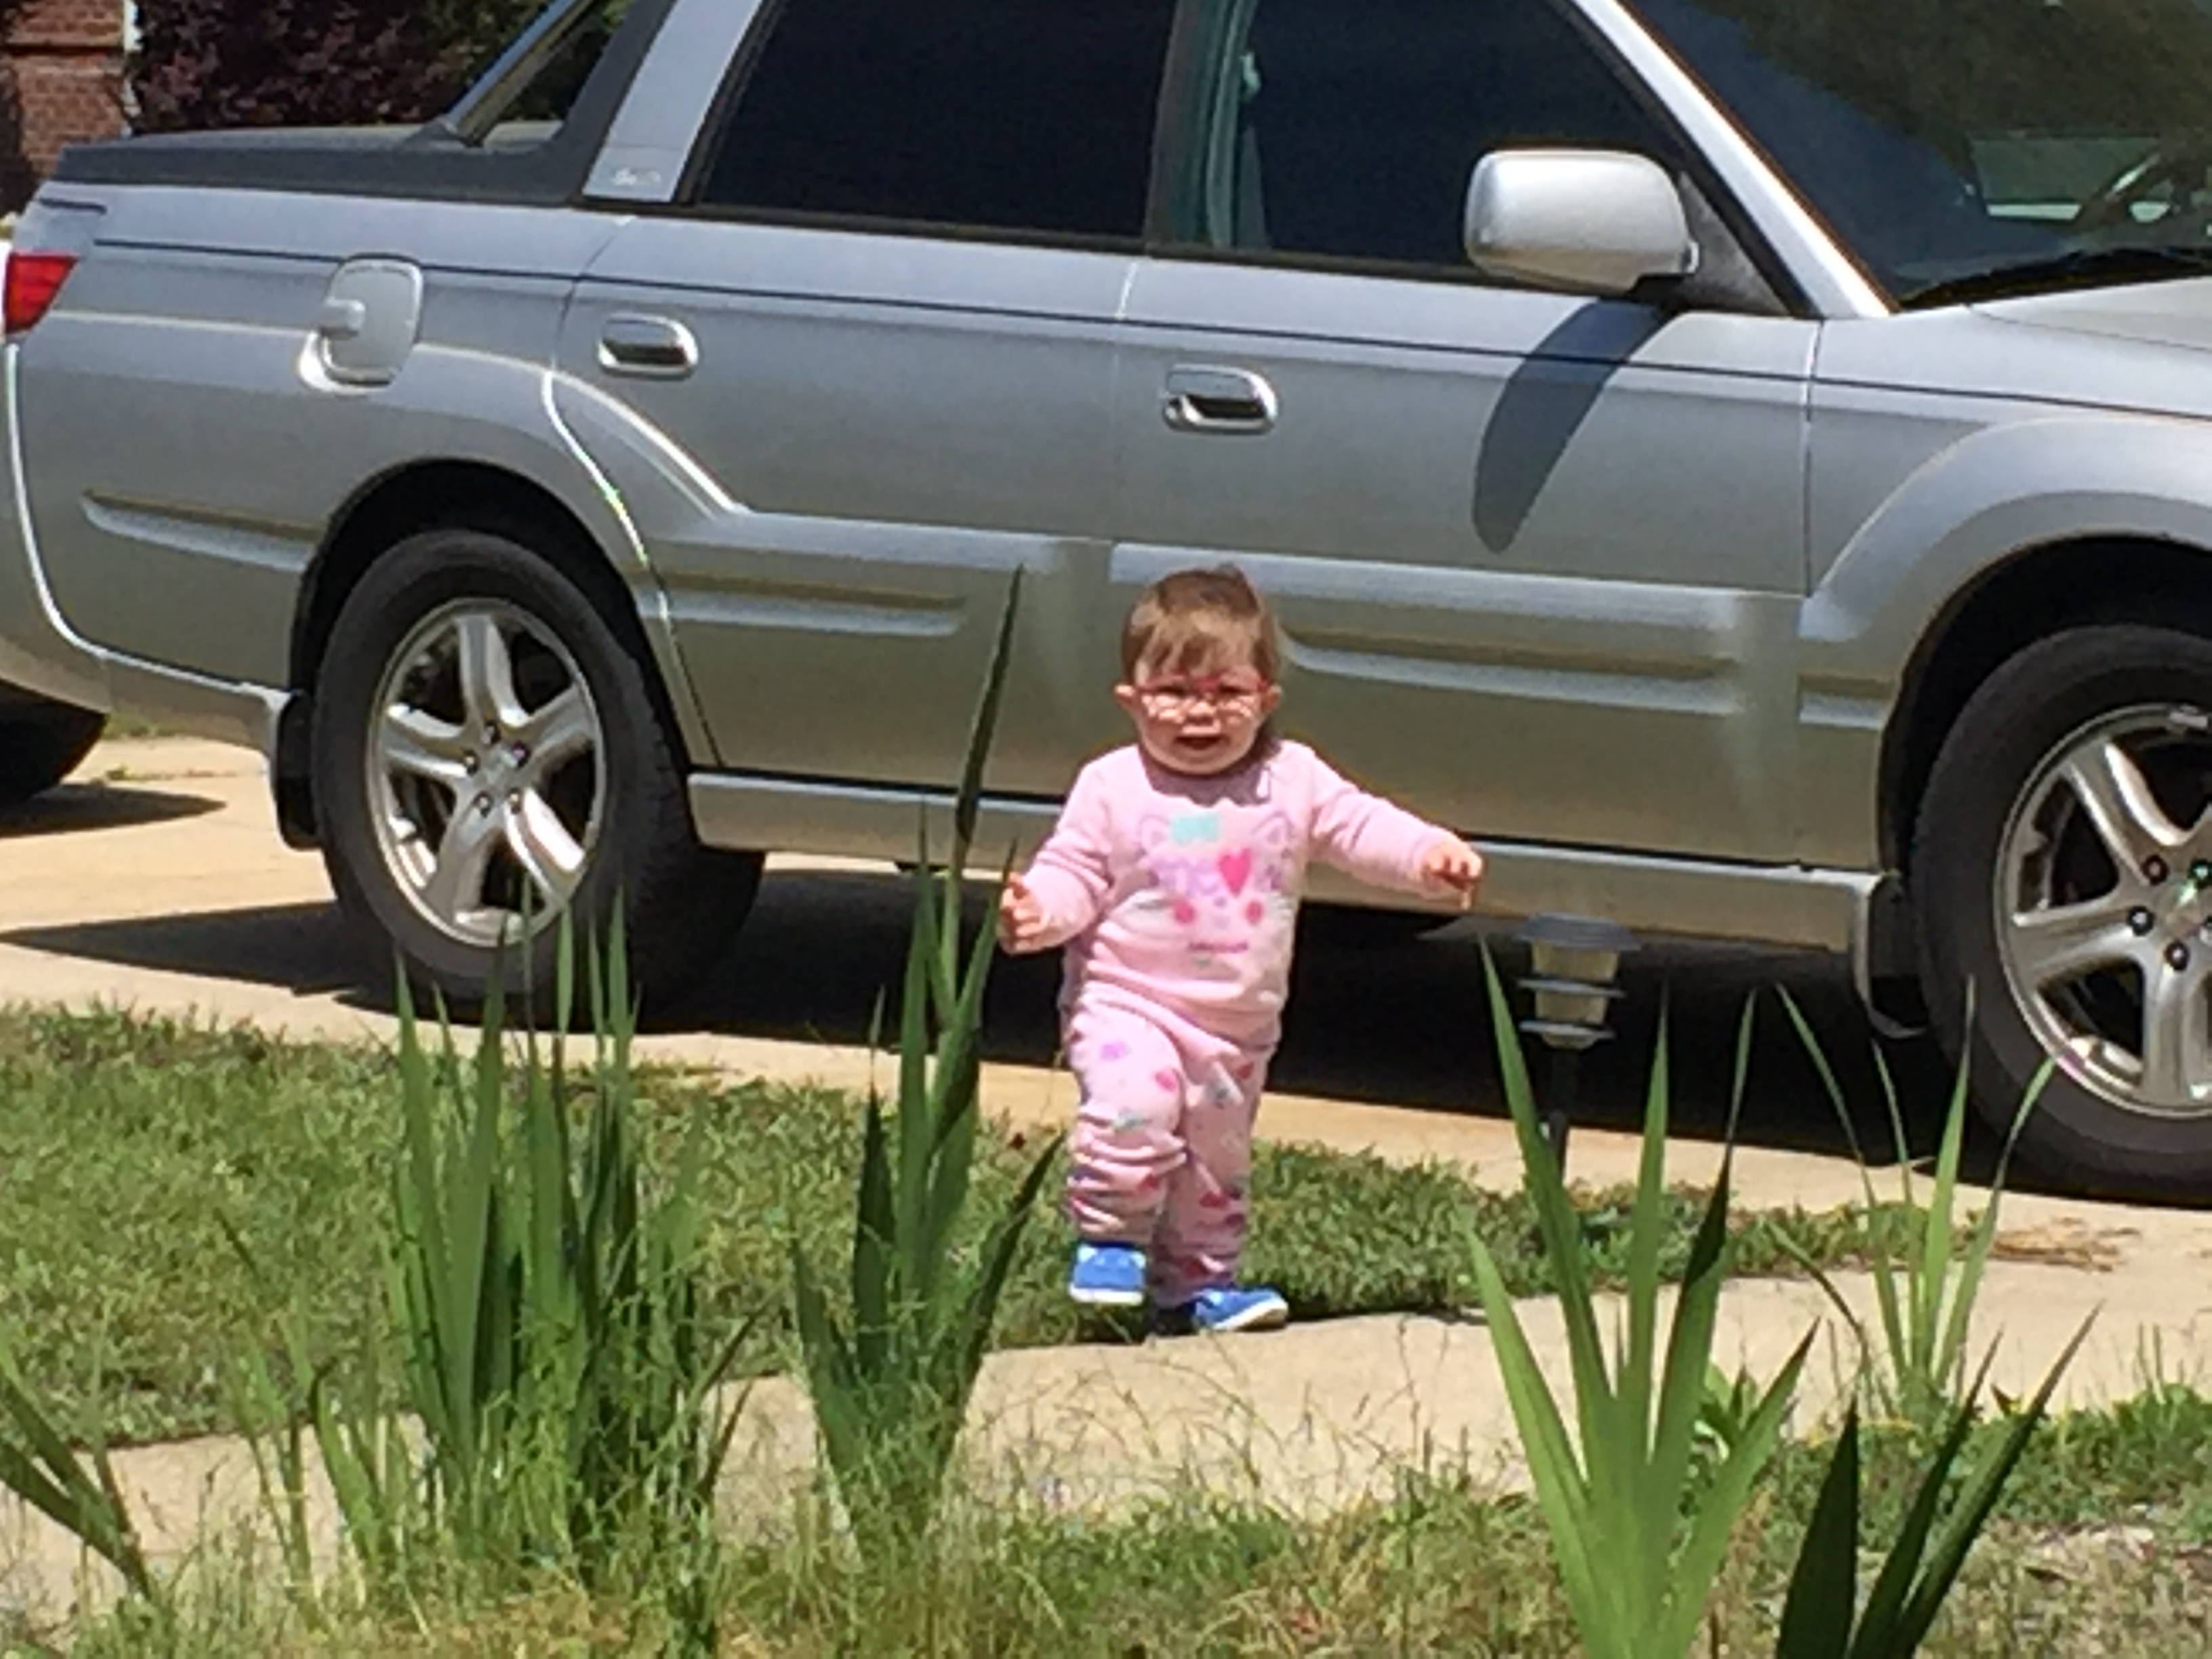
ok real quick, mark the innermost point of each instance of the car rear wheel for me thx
(41, 743)
(2062, 868)
(486, 749)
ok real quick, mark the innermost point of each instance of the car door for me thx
(1538, 558)
(876, 341)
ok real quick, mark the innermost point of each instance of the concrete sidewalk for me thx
(1308, 1420)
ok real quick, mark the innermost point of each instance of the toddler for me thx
(1173, 878)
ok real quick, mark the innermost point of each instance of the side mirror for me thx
(1589, 222)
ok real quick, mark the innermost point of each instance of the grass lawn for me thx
(129, 725)
(1451, 1569)
(2098, 1553)
(131, 1149)
(132, 1152)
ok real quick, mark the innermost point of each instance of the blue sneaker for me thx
(1238, 1308)
(1107, 1276)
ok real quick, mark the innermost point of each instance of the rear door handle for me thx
(342, 318)
(1219, 400)
(656, 348)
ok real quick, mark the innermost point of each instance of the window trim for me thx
(1181, 127)
(707, 143)
(922, 230)
(706, 147)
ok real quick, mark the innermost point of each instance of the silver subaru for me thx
(1747, 463)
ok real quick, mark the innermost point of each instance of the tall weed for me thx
(1641, 1519)
(891, 1388)
(1640, 1536)
(1823, 1617)
(555, 1360)
(1926, 1289)
(77, 1492)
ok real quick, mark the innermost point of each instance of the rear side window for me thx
(1029, 116)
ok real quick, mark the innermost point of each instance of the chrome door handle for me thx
(658, 348)
(1219, 400)
(342, 318)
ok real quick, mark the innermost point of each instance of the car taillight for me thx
(33, 280)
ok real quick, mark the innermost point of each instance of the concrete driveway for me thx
(155, 879)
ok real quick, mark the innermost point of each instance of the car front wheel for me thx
(2063, 870)
(487, 750)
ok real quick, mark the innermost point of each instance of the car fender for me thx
(2000, 493)
(457, 407)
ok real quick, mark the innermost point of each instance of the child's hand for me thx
(1451, 865)
(1021, 918)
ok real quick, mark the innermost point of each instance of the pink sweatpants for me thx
(1163, 1144)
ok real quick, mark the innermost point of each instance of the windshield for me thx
(1959, 147)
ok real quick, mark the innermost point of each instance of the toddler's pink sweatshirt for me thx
(1182, 893)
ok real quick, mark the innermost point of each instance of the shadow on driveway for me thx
(78, 808)
(1403, 1023)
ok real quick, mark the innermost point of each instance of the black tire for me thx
(2076, 693)
(42, 743)
(680, 901)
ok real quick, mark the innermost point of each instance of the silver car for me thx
(1748, 463)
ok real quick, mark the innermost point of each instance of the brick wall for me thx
(67, 58)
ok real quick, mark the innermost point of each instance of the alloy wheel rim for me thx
(487, 772)
(2104, 908)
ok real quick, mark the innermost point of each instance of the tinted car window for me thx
(1350, 129)
(1029, 116)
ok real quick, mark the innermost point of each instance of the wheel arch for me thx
(2037, 591)
(456, 495)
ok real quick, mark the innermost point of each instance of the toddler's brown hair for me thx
(1195, 620)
